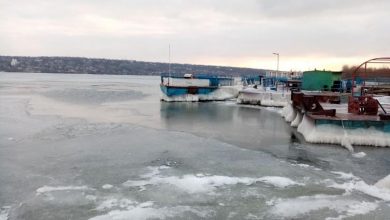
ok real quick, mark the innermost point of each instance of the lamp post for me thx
(277, 56)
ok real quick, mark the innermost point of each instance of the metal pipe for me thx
(381, 107)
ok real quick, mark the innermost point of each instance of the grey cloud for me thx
(305, 8)
(141, 29)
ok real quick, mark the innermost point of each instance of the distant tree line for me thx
(370, 72)
(110, 66)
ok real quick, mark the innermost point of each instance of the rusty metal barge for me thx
(361, 117)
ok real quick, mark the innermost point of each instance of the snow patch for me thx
(136, 212)
(296, 207)
(145, 211)
(91, 197)
(345, 176)
(384, 183)
(384, 100)
(361, 186)
(107, 186)
(278, 181)
(46, 189)
(115, 203)
(359, 154)
(192, 183)
(4, 212)
(154, 171)
(357, 209)
(306, 166)
(208, 184)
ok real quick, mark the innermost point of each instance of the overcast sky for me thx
(307, 33)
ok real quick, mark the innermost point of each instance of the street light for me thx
(277, 67)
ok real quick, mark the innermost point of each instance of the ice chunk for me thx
(359, 154)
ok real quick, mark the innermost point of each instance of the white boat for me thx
(269, 91)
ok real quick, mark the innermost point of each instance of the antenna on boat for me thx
(169, 63)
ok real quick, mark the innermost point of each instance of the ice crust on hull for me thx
(220, 94)
(265, 98)
(289, 113)
(333, 134)
(298, 119)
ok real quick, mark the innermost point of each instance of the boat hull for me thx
(180, 91)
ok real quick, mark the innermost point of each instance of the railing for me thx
(215, 80)
(363, 66)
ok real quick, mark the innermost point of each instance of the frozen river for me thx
(105, 147)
